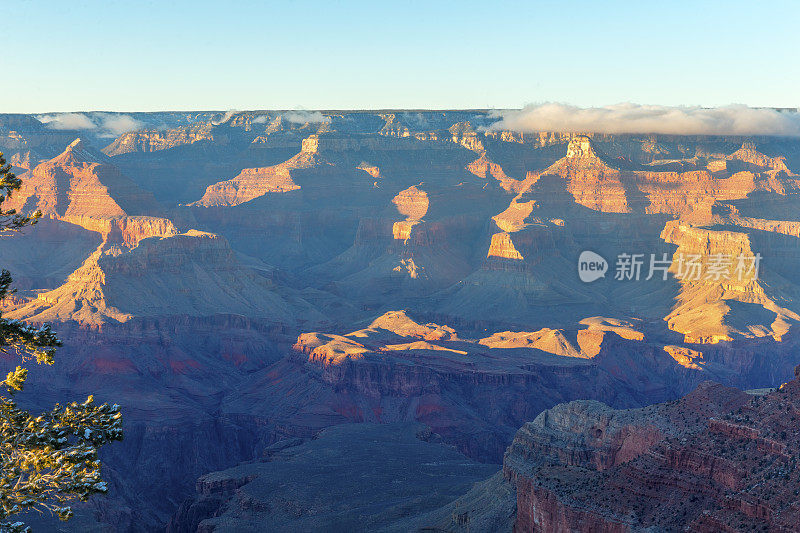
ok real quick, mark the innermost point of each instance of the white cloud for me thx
(634, 118)
(415, 120)
(225, 118)
(115, 125)
(303, 117)
(67, 121)
(104, 124)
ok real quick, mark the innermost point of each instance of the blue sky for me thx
(145, 55)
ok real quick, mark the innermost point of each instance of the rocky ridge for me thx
(207, 369)
(716, 460)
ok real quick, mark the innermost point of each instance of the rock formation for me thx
(257, 300)
(192, 273)
(372, 493)
(716, 460)
(723, 290)
(484, 168)
(592, 181)
(81, 182)
(155, 140)
(413, 204)
(255, 182)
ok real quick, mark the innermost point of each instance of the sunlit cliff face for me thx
(253, 268)
(542, 209)
(546, 212)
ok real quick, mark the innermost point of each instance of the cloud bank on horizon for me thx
(106, 124)
(297, 117)
(635, 118)
(306, 117)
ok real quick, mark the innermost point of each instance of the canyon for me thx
(715, 460)
(260, 289)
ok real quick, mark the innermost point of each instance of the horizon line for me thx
(357, 110)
